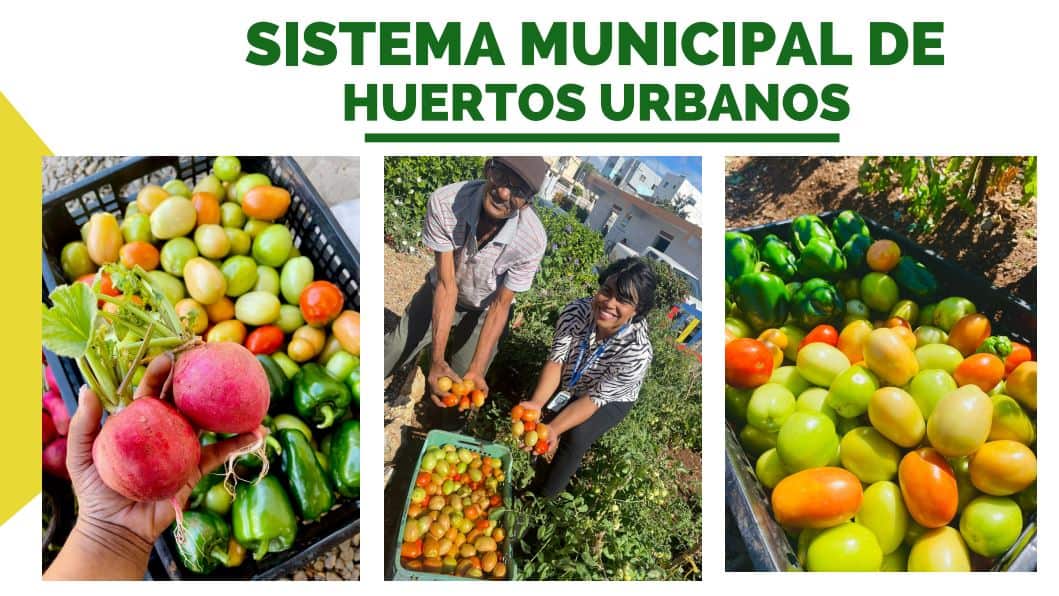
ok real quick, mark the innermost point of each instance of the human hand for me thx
(437, 370)
(479, 381)
(106, 514)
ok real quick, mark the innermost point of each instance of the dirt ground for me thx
(1001, 242)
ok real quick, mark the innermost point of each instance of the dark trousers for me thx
(575, 443)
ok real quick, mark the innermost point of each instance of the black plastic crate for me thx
(317, 235)
(767, 545)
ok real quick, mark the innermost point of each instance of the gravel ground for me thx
(338, 184)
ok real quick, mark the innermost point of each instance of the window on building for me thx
(662, 241)
(615, 210)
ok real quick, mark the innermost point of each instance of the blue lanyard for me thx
(578, 371)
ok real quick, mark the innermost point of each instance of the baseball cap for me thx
(532, 170)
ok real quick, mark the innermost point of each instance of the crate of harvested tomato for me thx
(880, 403)
(457, 522)
(236, 267)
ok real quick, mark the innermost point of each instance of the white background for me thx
(140, 78)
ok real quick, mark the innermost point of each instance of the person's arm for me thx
(551, 376)
(100, 550)
(492, 329)
(445, 294)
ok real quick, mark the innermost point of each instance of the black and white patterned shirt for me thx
(620, 370)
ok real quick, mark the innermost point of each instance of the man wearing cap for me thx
(488, 244)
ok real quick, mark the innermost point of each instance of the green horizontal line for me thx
(604, 137)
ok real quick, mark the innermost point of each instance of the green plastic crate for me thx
(437, 438)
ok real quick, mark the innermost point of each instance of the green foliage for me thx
(931, 184)
(407, 185)
(671, 288)
(578, 191)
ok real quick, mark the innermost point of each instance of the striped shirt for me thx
(511, 258)
(621, 368)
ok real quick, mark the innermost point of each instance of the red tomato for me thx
(107, 287)
(928, 486)
(817, 498)
(984, 370)
(423, 479)
(412, 550)
(264, 340)
(969, 332)
(747, 363)
(321, 302)
(1019, 353)
(821, 333)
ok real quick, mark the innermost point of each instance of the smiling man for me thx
(488, 244)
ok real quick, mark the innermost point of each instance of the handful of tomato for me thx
(453, 521)
(462, 393)
(527, 428)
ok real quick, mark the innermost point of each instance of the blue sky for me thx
(690, 166)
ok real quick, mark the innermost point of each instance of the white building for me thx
(675, 189)
(636, 177)
(623, 217)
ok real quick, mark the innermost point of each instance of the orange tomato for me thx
(969, 332)
(140, 253)
(928, 486)
(1019, 353)
(495, 501)
(478, 398)
(516, 413)
(450, 400)
(883, 255)
(906, 335)
(531, 416)
(816, 498)
(851, 340)
(423, 479)
(207, 208)
(893, 322)
(821, 333)
(1003, 468)
(413, 564)
(458, 388)
(266, 203)
(1022, 384)
(412, 550)
(529, 426)
(542, 431)
(983, 370)
(774, 336)
(347, 329)
(222, 310)
(465, 403)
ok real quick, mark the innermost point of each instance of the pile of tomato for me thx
(462, 393)
(453, 524)
(903, 440)
(532, 434)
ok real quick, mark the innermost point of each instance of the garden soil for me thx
(1000, 240)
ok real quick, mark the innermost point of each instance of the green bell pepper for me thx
(778, 256)
(263, 520)
(762, 297)
(319, 397)
(740, 255)
(308, 483)
(856, 252)
(806, 227)
(289, 367)
(848, 224)
(997, 345)
(344, 457)
(915, 279)
(816, 302)
(278, 383)
(205, 544)
(821, 258)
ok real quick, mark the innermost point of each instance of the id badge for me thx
(558, 401)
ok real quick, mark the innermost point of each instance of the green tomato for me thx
(267, 280)
(820, 363)
(883, 511)
(1027, 498)
(232, 215)
(927, 334)
(212, 241)
(84, 231)
(242, 185)
(770, 406)
(254, 227)
(806, 440)
(175, 217)
(238, 240)
(938, 356)
(940, 549)
(914, 532)
(297, 273)
(844, 425)
(218, 500)
(272, 246)
(805, 538)
(171, 287)
(991, 525)
(226, 168)
(290, 318)
(241, 274)
(869, 455)
(176, 253)
(1010, 421)
(926, 314)
(177, 187)
(210, 184)
(897, 560)
(257, 308)
(856, 311)
(851, 391)
(795, 335)
(756, 441)
(131, 209)
(928, 387)
(846, 547)
(738, 327)
(951, 310)
(430, 461)
(907, 310)
(137, 228)
(735, 399)
(966, 491)
(879, 291)
(849, 289)
(75, 260)
(814, 399)
(770, 469)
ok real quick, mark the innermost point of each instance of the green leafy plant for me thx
(931, 184)
(408, 183)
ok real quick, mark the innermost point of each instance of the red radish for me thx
(221, 387)
(53, 403)
(53, 458)
(49, 433)
(147, 451)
